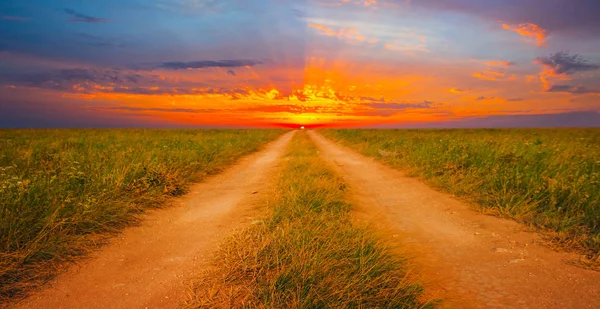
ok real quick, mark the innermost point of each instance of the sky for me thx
(287, 63)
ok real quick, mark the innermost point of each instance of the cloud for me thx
(457, 91)
(91, 81)
(14, 18)
(87, 80)
(403, 105)
(562, 63)
(175, 65)
(407, 48)
(572, 89)
(514, 99)
(345, 34)
(531, 31)
(281, 108)
(190, 7)
(99, 41)
(382, 108)
(323, 29)
(579, 18)
(82, 18)
(502, 64)
(492, 75)
(231, 72)
(298, 13)
(567, 119)
(155, 109)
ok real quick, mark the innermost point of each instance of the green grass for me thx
(308, 253)
(548, 178)
(63, 191)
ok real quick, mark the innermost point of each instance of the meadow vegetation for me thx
(62, 192)
(547, 178)
(307, 253)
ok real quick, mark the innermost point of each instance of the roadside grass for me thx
(63, 192)
(307, 253)
(548, 178)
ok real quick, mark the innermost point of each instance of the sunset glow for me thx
(283, 63)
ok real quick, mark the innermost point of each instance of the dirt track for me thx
(469, 259)
(149, 266)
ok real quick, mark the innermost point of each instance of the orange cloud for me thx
(456, 91)
(360, 2)
(531, 31)
(323, 29)
(502, 64)
(347, 34)
(489, 75)
(369, 2)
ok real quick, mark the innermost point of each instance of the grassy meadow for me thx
(548, 178)
(63, 191)
(307, 253)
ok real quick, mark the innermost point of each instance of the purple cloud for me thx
(572, 89)
(574, 17)
(82, 18)
(563, 63)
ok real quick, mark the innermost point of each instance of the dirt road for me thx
(149, 266)
(469, 259)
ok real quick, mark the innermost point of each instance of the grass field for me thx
(547, 178)
(62, 191)
(307, 253)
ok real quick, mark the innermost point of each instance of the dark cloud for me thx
(156, 109)
(208, 64)
(231, 72)
(186, 7)
(404, 105)
(281, 108)
(14, 18)
(90, 80)
(563, 63)
(87, 80)
(382, 103)
(373, 100)
(67, 78)
(577, 17)
(20, 113)
(82, 18)
(565, 120)
(571, 89)
(274, 108)
(99, 41)
(298, 13)
(482, 98)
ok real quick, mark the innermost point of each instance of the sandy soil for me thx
(470, 259)
(150, 266)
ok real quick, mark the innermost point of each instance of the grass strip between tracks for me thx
(308, 253)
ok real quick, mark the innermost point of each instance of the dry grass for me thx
(547, 178)
(62, 192)
(307, 254)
